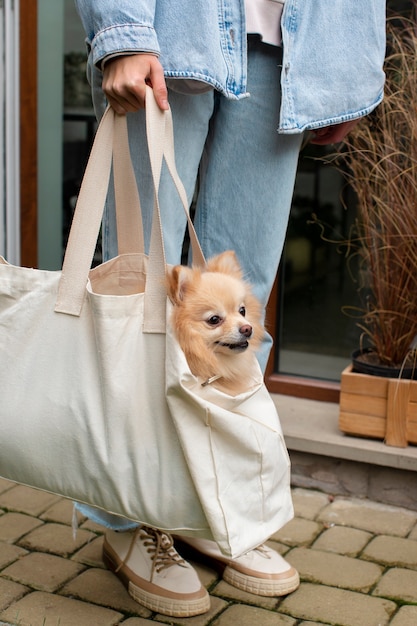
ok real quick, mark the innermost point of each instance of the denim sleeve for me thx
(116, 27)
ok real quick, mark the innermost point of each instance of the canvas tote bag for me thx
(97, 402)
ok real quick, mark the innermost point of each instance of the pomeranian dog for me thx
(217, 321)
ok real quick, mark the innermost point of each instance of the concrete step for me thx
(324, 458)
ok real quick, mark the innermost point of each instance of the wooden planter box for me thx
(381, 408)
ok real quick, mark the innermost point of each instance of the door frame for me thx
(28, 49)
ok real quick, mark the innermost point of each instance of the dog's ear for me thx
(226, 263)
(177, 279)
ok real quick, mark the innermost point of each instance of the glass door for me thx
(315, 336)
(66, 124)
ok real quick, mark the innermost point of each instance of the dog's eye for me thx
(214, 320)
(242, 311)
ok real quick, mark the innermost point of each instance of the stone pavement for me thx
(357, 561)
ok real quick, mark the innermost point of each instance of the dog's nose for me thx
(246, 330)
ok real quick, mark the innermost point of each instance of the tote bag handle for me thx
(128, 210)
(160, 135)
(90, 206)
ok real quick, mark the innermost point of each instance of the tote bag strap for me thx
(128, 210)
(112, 139)
(160, 135)
(160, 145)
(86, 222)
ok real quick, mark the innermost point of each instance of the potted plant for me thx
(380, 162)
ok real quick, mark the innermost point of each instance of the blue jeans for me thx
(246, 173)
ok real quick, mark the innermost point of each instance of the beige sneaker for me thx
(153, 572)
(261, 571)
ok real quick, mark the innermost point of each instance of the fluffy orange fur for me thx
(217, 321)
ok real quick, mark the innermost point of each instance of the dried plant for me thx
(380, 162)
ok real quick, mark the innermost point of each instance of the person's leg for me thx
(247, 177)
(246, 185)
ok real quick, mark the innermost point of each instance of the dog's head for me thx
(215, 316)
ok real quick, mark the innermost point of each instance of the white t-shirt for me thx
(263, 17)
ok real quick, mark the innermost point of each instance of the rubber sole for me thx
(261, 586)
(245, 582)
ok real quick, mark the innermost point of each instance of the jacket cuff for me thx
(123, 39)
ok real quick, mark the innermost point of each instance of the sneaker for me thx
(153, 572)
(261, 571)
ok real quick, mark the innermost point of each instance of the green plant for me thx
(379, 159)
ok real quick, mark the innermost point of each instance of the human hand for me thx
(125, 78)
(332, 134)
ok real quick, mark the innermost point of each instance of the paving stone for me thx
(105, 589)
(279, 547)
(399, 584)
(413, 533)
(62, 512)
(392, 551)
(248, 616)
(27, 500)
(217, 606)
(91, 553)
(342, 540)
(5, 485)
(56, 539)
(44, 572)
(308, 503)
(13, 526)
(9, 554)
(10, 592)
(313, 624)
(298, 532)
(334, 570)
(337, 606)
(44, 609)
(372, 516)
(406, 616)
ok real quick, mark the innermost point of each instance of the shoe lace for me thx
(160, 547)
(264, 551)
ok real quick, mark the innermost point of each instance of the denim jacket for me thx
(332, 62)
